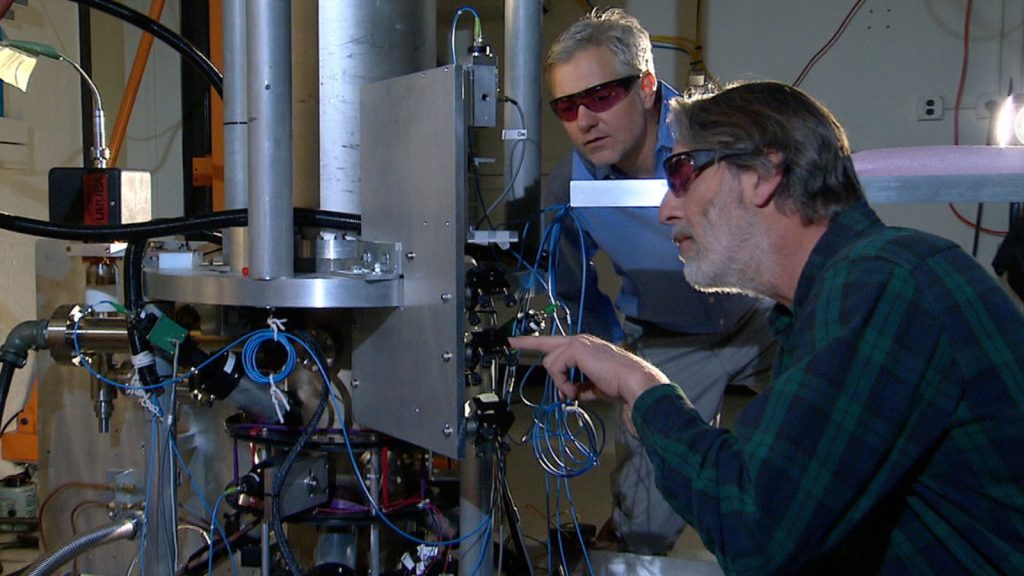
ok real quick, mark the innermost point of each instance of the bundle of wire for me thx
(566, 440)
(251, 342)
(564, 437)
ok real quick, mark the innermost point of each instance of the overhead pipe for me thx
(236, 133)
(523, 26)
(269, 79)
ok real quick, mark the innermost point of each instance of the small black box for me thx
(99, 196)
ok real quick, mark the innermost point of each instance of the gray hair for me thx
(613, 28)
(818, 179)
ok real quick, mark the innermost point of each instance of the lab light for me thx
(1018, 125)
(1008, 120)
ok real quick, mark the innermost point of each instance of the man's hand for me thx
(610, 371)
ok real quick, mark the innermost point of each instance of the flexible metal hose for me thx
(125, 530)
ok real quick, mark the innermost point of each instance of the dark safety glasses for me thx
(596, 98)
(682, 168)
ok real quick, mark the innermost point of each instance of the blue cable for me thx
(565, 440)
(484, 541)
(252, 341)
(251, 349)
(209, 559)
(355, 465)
(149, 485)
(455, 21)
(173, 381)
(576, 524)
(206, 504)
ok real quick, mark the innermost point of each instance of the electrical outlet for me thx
(930, 108)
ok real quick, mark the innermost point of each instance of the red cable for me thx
(973, 224)
(963, 73)
(956, 114)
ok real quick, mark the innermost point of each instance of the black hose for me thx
(133, 256)
(281, 474)
(29, 335)
(167, 226)
(6, 375)
(189, 52)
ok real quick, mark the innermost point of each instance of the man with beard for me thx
(888, 442)
(613, 108)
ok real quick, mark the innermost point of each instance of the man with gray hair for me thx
(889, 439)
(601, 74)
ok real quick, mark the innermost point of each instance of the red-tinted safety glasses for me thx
(596, 98)
(682, 168)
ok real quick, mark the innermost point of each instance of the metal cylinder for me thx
(95, 334)
(236, 144)
(363, 42)
(271, 238)
(101, 283)
(522, 84)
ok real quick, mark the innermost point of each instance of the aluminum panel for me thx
(408, 363)
(222, 287)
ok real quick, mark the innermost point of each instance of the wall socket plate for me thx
(930, 108)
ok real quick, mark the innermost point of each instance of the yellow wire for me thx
(688, 44)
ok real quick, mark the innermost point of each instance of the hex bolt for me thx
(312, 485)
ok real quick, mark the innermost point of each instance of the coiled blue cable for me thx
(251, 349)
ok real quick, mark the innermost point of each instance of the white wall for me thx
(892, 53)
(153, 139)
(51, 112)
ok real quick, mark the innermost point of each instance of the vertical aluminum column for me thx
(271, 240)
(363, 42)
(522, 84)
(236, 144)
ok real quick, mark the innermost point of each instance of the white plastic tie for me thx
(142, 359)
(277, 325)
(280, 401)
(135, 389)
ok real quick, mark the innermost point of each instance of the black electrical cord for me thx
(197, 563)
(474, 168)
(511, 510)
(6, 375)
(183, 47)
(282, 472)
(167, 226)
(134, 253)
